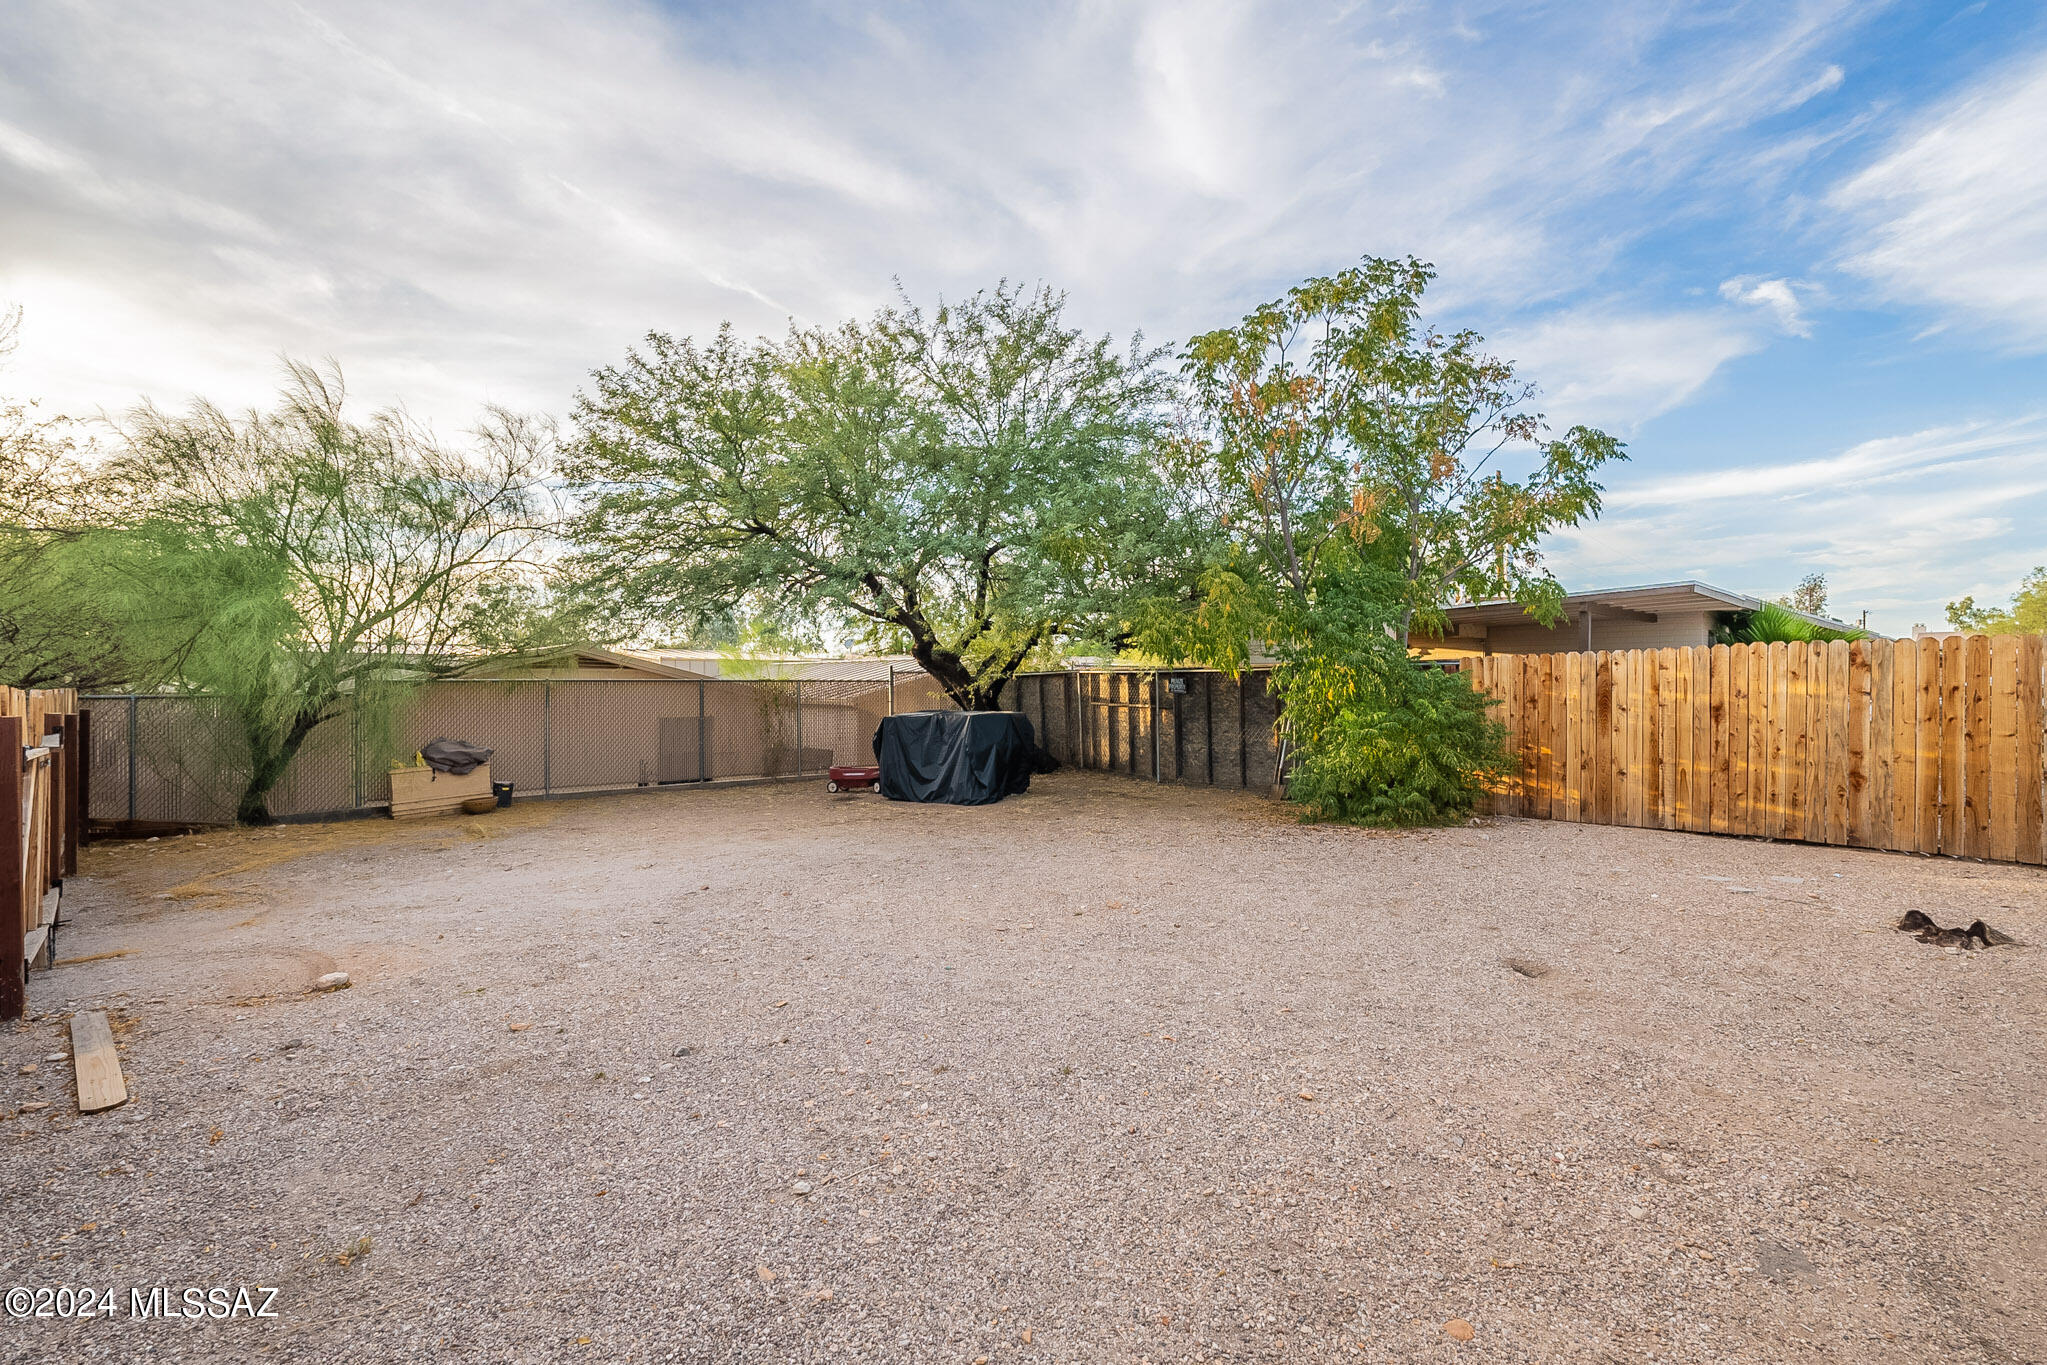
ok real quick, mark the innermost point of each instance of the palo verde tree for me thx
(974, 481)
(358, 557)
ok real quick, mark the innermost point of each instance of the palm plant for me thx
(1773, 624)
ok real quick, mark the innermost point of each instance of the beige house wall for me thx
(1670, 630)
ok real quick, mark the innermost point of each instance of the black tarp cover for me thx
(962, 758)
(456, 757)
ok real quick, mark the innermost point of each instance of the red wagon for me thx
(851, 779)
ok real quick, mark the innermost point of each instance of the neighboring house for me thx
(585, 662)
(1652, 616)
(711, 663)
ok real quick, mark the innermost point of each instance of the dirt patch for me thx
(761, 1075)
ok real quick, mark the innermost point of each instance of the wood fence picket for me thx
(1925, 746)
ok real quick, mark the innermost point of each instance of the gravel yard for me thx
(1108, 1072)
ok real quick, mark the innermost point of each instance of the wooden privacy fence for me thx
(42, 820)
(1922, 746)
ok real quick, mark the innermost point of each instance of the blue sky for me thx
(1795, 254)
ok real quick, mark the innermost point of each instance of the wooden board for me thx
(1926, 730)
(1877, 821)
(1954, 710)
(1681, 716)
(1737, 739)
(2032, 761)
(1857, 736)
(1794, 735)
(1919, 745)
(1976, 792)
(1603, 752)
(1820, 741)
(1903, 745)
(2004, 749)
(95, 1063)
(417, 792)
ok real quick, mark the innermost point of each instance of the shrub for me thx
(1379, 738)
(1384, 741)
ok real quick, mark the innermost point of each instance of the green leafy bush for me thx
(1379, 739)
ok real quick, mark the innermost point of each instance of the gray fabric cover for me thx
(455, 756)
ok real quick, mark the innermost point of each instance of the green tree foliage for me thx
(1334, 412)
(1772, 623)
(973, 481)
(2027, 614)
(1351, 461)
(1810, 596)
(345, 560)
(1381, 740)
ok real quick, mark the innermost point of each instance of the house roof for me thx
(591, 656)
(1643, 602)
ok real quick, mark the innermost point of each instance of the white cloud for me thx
(1779, 298)
(1954, 214)
(464, 204)
(1901, 525)
(1616, 370)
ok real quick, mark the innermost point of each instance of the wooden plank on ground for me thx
(2032, 762)
(1926, 726)
(2004, 748)
(95, 1063)
(1976, 793)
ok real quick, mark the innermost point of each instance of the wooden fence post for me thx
(13, 893)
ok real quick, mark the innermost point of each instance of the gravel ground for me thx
(1105, 1073)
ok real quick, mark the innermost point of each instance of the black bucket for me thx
(503, 792)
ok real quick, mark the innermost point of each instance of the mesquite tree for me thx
(977, 481)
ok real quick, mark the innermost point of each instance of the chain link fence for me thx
(183, 759)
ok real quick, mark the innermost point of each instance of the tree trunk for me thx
(268, 764)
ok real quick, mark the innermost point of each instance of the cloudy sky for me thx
(1795, 253)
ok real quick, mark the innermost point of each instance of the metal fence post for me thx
(546, 738)
(703, 757)
(799, 727)
(133, 701)
(1157, 774)
(892, 689)
(1243, 744)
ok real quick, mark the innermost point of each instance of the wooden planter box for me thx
(422, 791)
